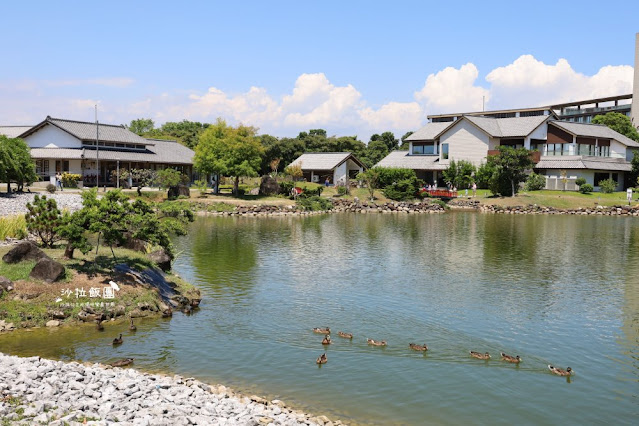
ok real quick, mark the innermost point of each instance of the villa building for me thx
(59, 146)
(336, 167)
(594, 152)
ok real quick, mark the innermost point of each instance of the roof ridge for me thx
(120, 126)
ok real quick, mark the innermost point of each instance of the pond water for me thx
(559, 290)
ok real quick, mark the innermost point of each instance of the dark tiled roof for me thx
(86, 131)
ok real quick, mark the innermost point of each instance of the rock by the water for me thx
(53, 323)
(161, 258)
(47, 270)
(176, 191)
(5, 284)
(269, 186)
(24, 250)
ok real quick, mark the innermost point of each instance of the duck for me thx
(326, 340)
(376, 343)
(345, 335)
(132, 327)
(99, 325)
(416, 347)
(513, 359)
(322, 330)
(122, 362)
(479, 355)
(322, 359)
(559, 371)
(118, 340)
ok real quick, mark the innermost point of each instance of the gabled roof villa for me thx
(59, 145)
(336, 167)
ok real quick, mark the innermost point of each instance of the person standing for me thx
(58, 181)
(474, 189)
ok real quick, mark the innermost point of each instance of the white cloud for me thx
(108, 82)
(453, 90)
(530, 82)
(394, 115)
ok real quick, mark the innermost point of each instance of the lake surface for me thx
(559, 290)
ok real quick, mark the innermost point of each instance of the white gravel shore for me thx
(40, 391)
(15, 204)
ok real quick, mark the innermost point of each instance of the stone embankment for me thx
(623, 211)
(14, 204)
(339, 205)
(40, 391)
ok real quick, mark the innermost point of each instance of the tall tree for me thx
(141, 126)
(16, 164)
(229, 151)
(405, 144)
(619, 123)
(186, 132)
(459, 173)
(375, 151)
(511, 166)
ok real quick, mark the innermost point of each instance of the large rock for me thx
(24, 250)
(269, 186)
(5, 284)
(161, 258)
(176, 191)
(134, 243)
(47, 270)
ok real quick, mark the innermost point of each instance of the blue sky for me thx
(351, 67)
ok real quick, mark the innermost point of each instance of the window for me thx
(603, 151)
(586, 149)
(428, 149)
(42, 167)
(615, 177)
(444, 151)
(61, 166)
(601, 176)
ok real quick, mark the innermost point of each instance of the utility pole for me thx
(97, 149)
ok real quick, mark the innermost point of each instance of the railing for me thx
(576, 111)
(441, 193)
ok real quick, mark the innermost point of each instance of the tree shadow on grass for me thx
(105, 265)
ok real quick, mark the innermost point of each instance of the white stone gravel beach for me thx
(15, 204)
(40, 391)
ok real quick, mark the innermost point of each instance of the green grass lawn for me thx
(556, 199)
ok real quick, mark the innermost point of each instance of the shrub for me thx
(319, 190)
(51, 188)
(169, 177)
(441, 203)
(314, 203)
(70, 180)
(607, 186)
(459, 173)
(342, 190)
(201, 186)
(586, 188)
(43, 219)
(389, 175)
(580, 181)
(484, 174)
(286, 187)
(535, 182)
(405, 189)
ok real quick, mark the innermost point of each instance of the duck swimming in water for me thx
(132, 327)
(322, 359)
(322, 330)
(479, 355)
(376, 343)
(99, 325)
(345, 335)
(559, 371)
(326, 340)
(416, 347)
(118, 340)
(513, 359)
(122, 362)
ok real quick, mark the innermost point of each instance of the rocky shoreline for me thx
(34, 390)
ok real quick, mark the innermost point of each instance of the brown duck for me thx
(326, 340)
(345, 335)
(376, 343)
(480, 355)
(416, 347)
(99, 325)
(559, 371)
(123, 362)
(513, 359)
(132, 327)
(118, 340)
(322, 359)
(322, 330)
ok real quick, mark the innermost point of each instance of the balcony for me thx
(578, 111)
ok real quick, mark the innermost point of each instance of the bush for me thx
(484, 174)
(51, 188)
(43, 219)
(441, 203)
(286, 187)
(405, 189)
(607, 186)
(580, 181)
(389, 175)
(535, 182)
(70, 180)
(314, 203)
(342, 190)
(201, 186)
(586, 188)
